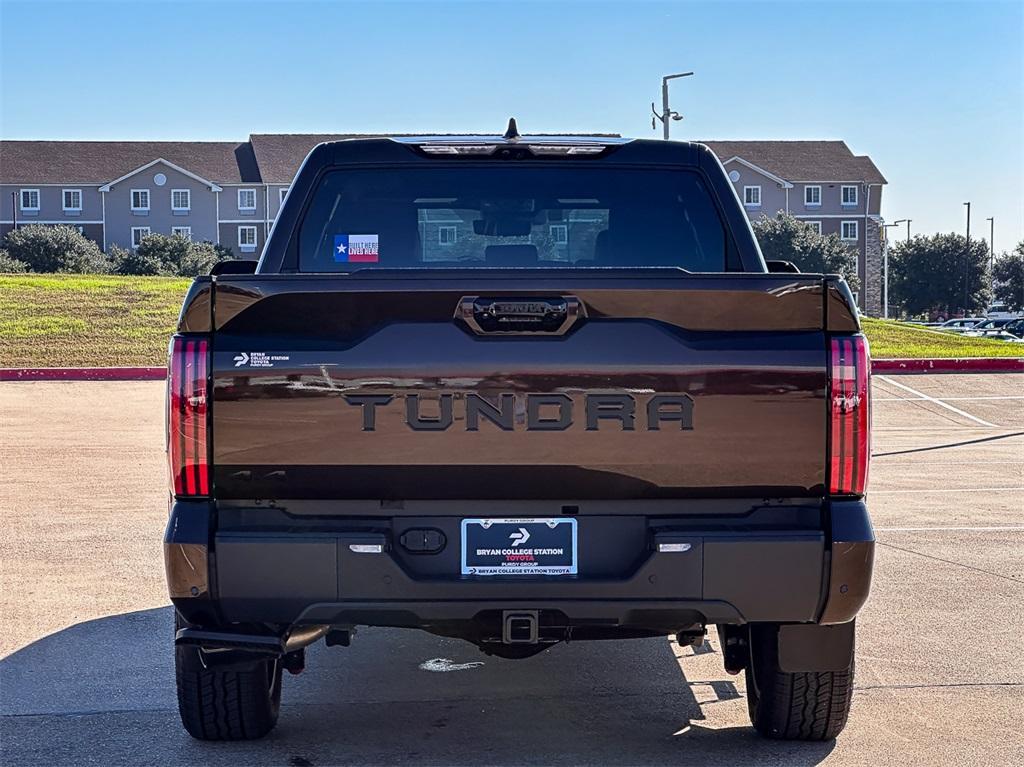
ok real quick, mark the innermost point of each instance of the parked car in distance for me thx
(999, 311)
(960, 324)
(987, 327)
(1014, 329)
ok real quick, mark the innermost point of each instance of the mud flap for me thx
(810, 647)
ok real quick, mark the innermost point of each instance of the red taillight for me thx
(186, 416)
(850, 448)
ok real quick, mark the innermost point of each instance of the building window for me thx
(848, 230)
(849, 195)
(29, 199)
(140, 200)
(247, 199)
(283, 193)
(139, 233)
(559, 233)
(752, 195)
(247, 238)
(812, 195)
(182, 231)
(181, 199)
(447, 235)
(72, 199)
(815, 226)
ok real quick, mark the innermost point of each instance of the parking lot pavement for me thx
(85, 661)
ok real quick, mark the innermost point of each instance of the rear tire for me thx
(811, 705)
(228, 703)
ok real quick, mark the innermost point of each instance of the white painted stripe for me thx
(940, 403)
(1007, 528)
(923, 490)
(944, 399)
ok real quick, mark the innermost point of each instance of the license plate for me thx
(519, 546)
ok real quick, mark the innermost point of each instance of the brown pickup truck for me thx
(517, 390)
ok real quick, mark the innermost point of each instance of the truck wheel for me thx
(794, 706)
(230, 703)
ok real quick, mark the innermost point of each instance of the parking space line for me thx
(946, 399)
(940, 403)
(945, 490)
(1003, 528)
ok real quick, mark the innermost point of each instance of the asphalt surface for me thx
(85, 646)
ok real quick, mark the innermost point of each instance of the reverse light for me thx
(850, 415)
(186, 416)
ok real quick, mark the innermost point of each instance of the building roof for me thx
(97, 162)
(279, 155)
(802, 160)
(274, 158)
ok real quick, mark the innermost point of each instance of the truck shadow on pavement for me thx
(103, 692)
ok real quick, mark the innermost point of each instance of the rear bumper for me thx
(736, 573)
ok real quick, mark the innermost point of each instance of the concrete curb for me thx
(962, 365)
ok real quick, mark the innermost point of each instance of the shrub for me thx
(55, 249)
(135, 262)
(158, 254)
(10, 265)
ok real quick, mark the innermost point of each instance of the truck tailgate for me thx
(393, 387)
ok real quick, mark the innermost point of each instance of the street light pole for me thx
(666, 113)
(992, 240)
(967, 254)
(885, 272)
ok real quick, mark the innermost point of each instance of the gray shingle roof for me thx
(275, 158)
(279, 155)
(58, 162)
(802, 160)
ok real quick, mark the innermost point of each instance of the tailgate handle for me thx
(520, 316)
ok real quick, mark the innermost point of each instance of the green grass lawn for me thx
(93, 321)
(890, 339)
(73, 320)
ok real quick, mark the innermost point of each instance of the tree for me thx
(1008, 278)
(55, 249)
(786, 238)
(941, 272)
(158, 254)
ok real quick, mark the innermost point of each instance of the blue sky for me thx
(934, 92)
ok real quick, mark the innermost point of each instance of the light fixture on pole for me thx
(907, 222)
(666, 113)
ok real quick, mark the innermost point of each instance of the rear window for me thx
(503, 216)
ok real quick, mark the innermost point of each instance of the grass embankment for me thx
(73, 320)
(95, 321)
(891, 339)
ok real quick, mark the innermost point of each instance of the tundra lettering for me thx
(544, 412)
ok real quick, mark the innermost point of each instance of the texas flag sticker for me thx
(356, 248)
